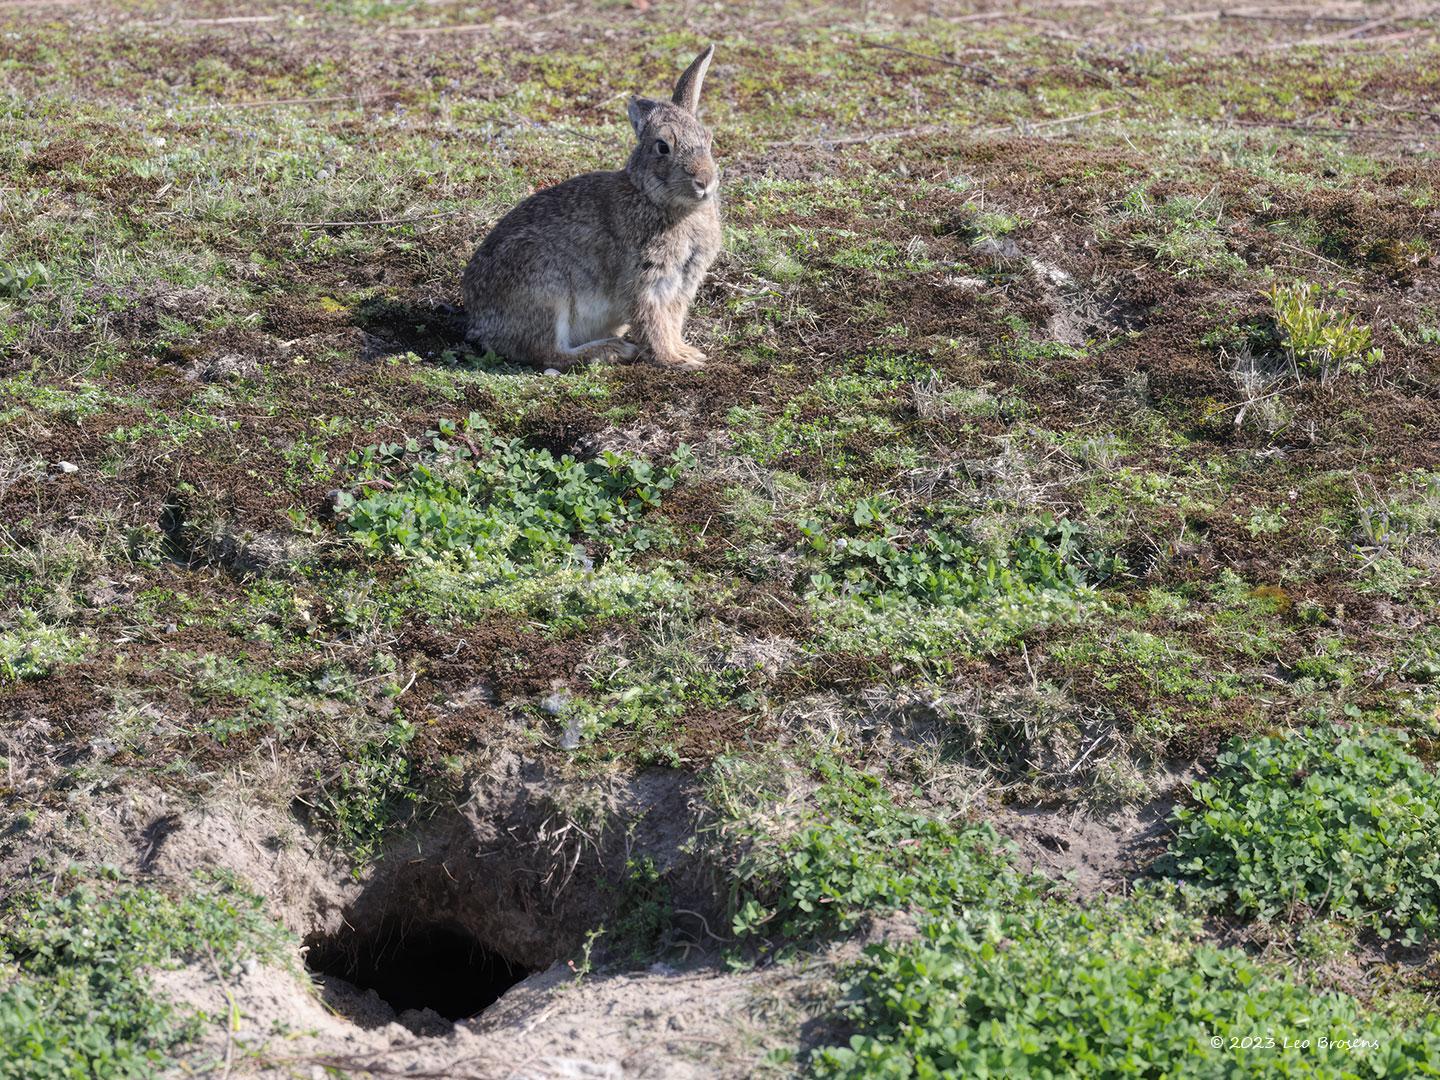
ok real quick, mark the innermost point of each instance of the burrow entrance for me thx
(472, 902)
(411, 967)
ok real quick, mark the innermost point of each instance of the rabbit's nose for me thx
(702, 187)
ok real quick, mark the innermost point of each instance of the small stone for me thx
(481, 693)
(67, 466)
(1052, 273)
(552, 371)
(968, 284)
(1001, 250)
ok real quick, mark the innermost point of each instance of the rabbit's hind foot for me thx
(605, 350)
(684, 358)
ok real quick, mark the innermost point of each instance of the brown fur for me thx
(570, 271)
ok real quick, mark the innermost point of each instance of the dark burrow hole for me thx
(417, 966)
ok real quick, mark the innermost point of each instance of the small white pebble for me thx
(552, 371)
(969, 284)
(67, 466)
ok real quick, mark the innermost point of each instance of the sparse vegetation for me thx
(863, 854)
(1068, 430)
(76, 999)
(32, 649)
(1319, 338)
(1184, 233)
(373, 791)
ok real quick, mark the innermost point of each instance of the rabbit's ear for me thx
(687, 90)
(640, 110)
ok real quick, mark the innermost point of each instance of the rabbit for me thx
(564, 276)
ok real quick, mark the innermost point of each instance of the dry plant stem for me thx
(974, 68)
(370, 221)
(268, 103)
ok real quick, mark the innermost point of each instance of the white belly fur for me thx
(593, 316)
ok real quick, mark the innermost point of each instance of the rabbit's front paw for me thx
(688, 357)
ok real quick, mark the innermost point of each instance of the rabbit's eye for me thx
(661, 146)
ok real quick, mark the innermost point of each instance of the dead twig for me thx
(230, 1016)
(808, 18)
(1027, 126)
(1311, 254)
(877, 136)
(703, 923)
(983, 16)
(941, 129)
(1365, 27)
(1092, 749)
(1334, 132)
(1349, 37)
(229, 20)
(267, 103)
(369, 221)
(976, 69)
(1112, 82)
(427, 31)
(364, 1064)
(1405, 109)
(1260, 16)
